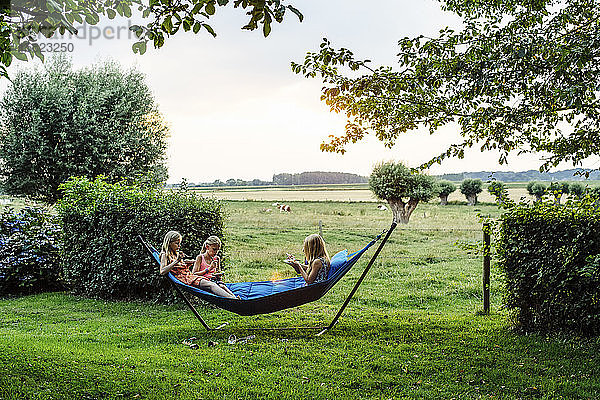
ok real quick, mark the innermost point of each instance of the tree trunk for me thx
(472, 199)
(444, 200)
(401, 210)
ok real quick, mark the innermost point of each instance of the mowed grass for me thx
(412, 330)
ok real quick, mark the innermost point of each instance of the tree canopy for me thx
(22, 21)
(519, 76)
(57, 122)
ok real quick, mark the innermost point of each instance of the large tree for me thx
(445, 188)
(537, 189)
(519, 75)
(21, 21)
(57, 122)
(402, 187)
(471, 188)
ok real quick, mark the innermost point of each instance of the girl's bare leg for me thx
(216, 289)
(224, 287)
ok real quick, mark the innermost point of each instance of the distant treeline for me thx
(304, 178)
(329, 178)
(318, 178)
(575, 174)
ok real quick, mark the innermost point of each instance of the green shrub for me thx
(28, 251)
(102, 256)
(499, 191)
(557, 189)
(550, 255)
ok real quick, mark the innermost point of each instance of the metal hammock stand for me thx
(284, 294)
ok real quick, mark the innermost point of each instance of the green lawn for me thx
(411, 331)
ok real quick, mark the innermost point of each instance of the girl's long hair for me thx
(170, 237)
(211, 240)
(314, 247)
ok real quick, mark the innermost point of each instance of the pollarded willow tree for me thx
(402, 188)
(471, 188)
(520, 75)
(445, 188)
(23, 21)
(537, 189)
(58, 122)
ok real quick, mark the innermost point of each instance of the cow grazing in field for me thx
(381, 207)
(282, 207)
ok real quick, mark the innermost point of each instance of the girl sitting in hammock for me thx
(317, 260)
(171, 260)
(208, 263)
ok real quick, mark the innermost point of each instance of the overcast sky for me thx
(236, 110)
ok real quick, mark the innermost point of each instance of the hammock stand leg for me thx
(362, 277)
(191, 306)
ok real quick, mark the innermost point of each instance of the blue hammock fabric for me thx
(270, 296)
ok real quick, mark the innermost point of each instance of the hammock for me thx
(270, 296)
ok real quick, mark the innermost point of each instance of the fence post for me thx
(486, 268)
(321, 228)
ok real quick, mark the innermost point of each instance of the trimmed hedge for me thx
(102, 256)
(28, 251)
(550, 255)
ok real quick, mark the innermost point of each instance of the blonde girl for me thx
(208, 263)
(171, 260)
(316, 258)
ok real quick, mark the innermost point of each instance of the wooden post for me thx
(321, 228)
(486, 268)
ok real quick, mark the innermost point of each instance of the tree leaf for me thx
(139, 47)
(297, 12)
(210, 30)
(167, 25)
(210, 9)
(127, 10)
(19, 56)
(266, 28)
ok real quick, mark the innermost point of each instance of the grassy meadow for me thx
(413, 329)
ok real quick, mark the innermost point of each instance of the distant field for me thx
(344, 193)
(330, 194)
